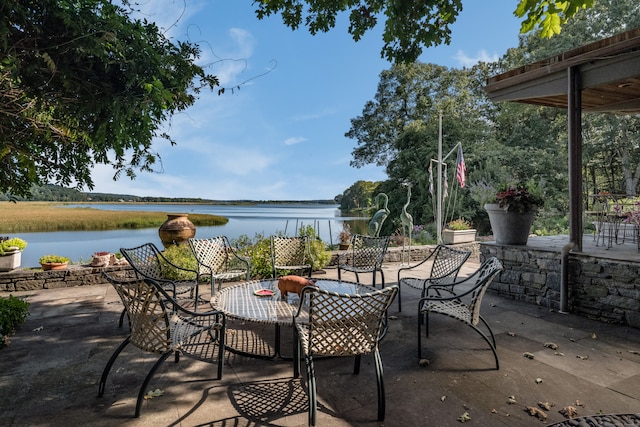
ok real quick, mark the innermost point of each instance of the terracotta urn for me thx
(176, 229)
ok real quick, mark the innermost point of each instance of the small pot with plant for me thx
(345, 236)
(11, 252)
(54, 262)
(458, 231)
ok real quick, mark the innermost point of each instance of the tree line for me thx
(503, 142)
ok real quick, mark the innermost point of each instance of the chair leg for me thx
(339, 277)
(493, 349)
(296, 353)
(493, 339)
(380, 381)
(356, 365)
(107, 368)
(419, 335)
(311, 383)
(121, 321)
(147, 380)
(399, 297)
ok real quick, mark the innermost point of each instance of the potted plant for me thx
(53, 262)
(11, 252)
(345, 236)
(458, 231)
(512, 212)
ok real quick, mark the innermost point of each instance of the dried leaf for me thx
(528, 355)
(535, 412)
(551, 345)
(569, 411)
(38, 329)
(559, 353)
(155, 393)
(582, 357)
(511, 400)
(494, 411)
(424, 362)
(634, 352)
(511, 334)
(578, 403)
(538, 380)
(443, 398)
(464, 417)
(393, 317)
(545, 405)
(594, 336)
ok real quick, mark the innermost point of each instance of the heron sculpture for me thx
(407, 225)
(375, 225)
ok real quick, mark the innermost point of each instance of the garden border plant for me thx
(13, 311)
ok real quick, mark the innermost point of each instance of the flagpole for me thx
(439, 201)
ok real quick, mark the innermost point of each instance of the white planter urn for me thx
(452, 237)
(510, 227)
(11, 260)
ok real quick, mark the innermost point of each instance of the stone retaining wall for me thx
(599, 288)
(28, 279)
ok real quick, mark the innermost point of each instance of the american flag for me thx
(461, 169)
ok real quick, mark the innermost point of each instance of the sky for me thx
(281, 135)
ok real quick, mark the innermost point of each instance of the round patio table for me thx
(240, 302)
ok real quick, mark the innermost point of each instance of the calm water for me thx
(249, 220)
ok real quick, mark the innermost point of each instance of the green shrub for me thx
(57, 259)
(13, 311)
(181, 256)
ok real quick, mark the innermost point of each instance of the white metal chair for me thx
(462, 302)
(333, 324)
(365, 255)
(291, 254)
(446, 264)
(159, 324)
(218, 260)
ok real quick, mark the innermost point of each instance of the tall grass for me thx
(46, 216)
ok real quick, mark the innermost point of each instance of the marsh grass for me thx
(44, 216)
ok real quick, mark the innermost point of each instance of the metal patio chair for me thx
(462, 302)
(218, 260)
(332, 324)
(447, 263)
(160, 325)
(365, 255)
(149, 263)
(291, 254)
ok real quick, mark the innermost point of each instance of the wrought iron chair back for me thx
(462, 302)
(333, 324)
(148, 262)
(218, 260)
(160, 325)
(447, 263)
(291, 254)
(365, 255)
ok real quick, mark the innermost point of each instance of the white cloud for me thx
(294, 140)
(468, 61)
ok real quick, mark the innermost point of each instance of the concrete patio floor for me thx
(49, 373)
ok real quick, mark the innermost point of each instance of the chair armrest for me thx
(400, 270)
(179, 308)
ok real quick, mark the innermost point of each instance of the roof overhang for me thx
(609, 70)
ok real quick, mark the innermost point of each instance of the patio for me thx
(49, 373)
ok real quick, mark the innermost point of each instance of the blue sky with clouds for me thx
(281, 135)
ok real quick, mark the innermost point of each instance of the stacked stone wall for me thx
(599, 288)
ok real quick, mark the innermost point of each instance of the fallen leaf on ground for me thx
(634, 351)
(578, 403)
(545, 405)
(424, 362)
(464, 417)
(582, 357)
(494, 411)
(528, 355)
(569, 411)
(511, 334)
(393, 317)
(594, 335)
(443, 398)
(572, 339)
(38, 329)
(155, 393)
(551, 345)
(559, 353)
(535, 412)
(511, 400)
(538, 380)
